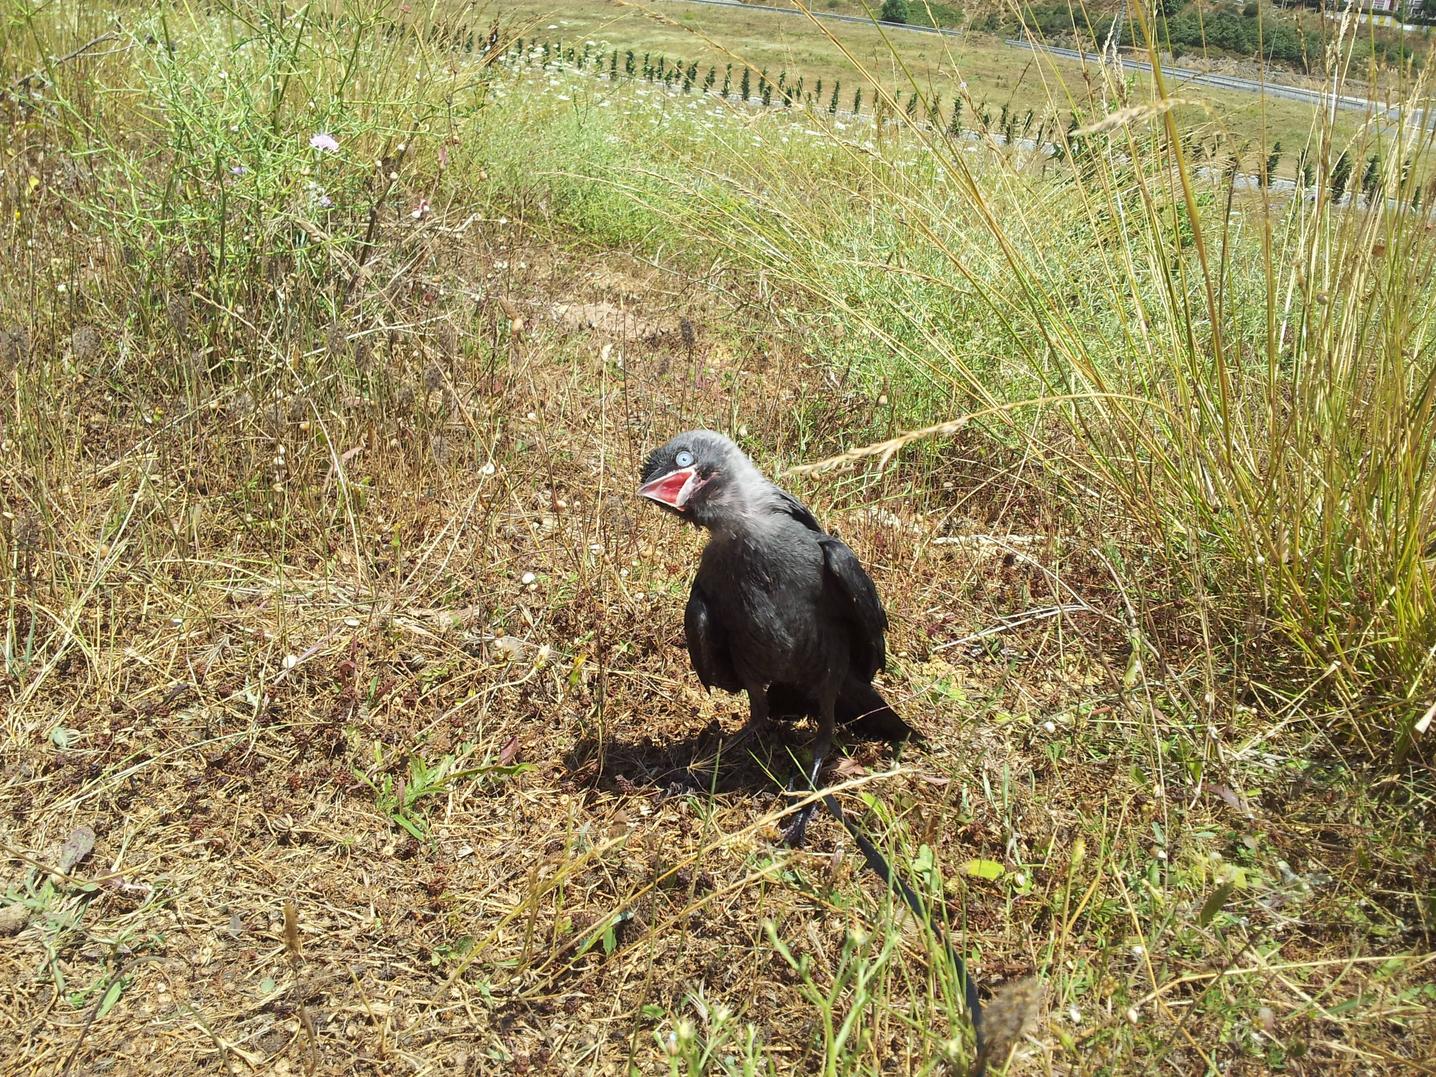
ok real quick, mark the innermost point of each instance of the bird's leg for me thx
(827, 723)
(757, 723)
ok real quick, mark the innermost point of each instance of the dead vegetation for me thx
(415, 788)
(348, 728)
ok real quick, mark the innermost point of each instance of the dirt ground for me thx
(379, 722)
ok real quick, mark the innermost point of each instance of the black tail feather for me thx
(861, 711)
(864, 713)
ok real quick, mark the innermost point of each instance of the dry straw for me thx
(886, 450)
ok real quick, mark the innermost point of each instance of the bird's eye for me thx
(684, 458)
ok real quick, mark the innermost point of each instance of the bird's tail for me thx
(864, 713)
(861, 710)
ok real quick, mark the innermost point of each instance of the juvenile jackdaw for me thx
(779, 608)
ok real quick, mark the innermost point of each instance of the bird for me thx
(779, 608)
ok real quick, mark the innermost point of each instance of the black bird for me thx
(779, 608)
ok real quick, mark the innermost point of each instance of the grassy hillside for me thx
(1291, 38)
(976, 68)
(347, 720)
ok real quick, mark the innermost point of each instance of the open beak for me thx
(673, 489)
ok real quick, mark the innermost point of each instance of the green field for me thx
(347, 719)
(976, 66)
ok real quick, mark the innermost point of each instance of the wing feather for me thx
(796, 509)
(859, 599)
(708, 644)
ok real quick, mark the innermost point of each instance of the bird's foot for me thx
(709, 764)
(796, 832)
(801, 784)
(752, 730)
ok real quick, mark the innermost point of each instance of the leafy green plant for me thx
(850, 986)
(401, 798)
(715, 1043)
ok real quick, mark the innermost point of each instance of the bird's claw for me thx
(799, 785)
(795, 834)
(749, 733)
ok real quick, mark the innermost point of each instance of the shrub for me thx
(1340, 176)
(266, 196)
(1371, 178)
(894, 11)
(1272, 160)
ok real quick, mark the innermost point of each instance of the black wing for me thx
(797, 510)
(859, 600)
(708, 644)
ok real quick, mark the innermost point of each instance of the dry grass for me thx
(348, 728)
(219, 777)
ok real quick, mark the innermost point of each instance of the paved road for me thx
(1178, 74)
(1208, 78)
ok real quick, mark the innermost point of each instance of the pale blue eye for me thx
(684, 459)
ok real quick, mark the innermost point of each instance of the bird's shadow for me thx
(701, 762)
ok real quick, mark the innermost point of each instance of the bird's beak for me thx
(673, 489)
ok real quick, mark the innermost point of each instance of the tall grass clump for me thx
(217, 224)
(1237, 365)
(1247, 372)
(240, 158)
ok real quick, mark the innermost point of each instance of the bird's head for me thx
(700, 475)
